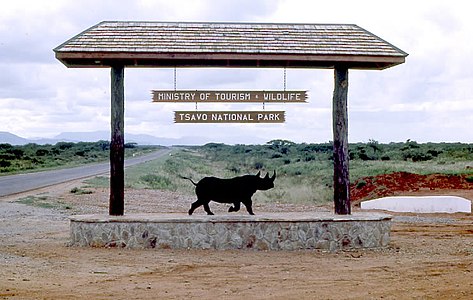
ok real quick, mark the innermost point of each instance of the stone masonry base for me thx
(269, 231)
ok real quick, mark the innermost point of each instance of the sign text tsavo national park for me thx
(229, 116)
(264, 116)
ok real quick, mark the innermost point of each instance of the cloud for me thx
(427, 98)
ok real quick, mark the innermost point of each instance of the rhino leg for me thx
(198, 203)
(194, 206)
(249, 206)
(207, 209)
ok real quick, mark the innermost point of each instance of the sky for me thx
(429, 98)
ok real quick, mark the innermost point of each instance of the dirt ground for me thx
(430, 257)
(403, 183)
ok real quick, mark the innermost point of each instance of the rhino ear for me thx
(274, 176)
(257, 174)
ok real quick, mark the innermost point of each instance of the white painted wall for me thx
(424, 204)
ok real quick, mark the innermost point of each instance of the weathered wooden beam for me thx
(341, 179)
(157, 56)
(155, 60)
(117, 142)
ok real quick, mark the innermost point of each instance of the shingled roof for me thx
(185, 44)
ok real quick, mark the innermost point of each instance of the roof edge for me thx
(225, 22)
(398, 49)
(56, 49)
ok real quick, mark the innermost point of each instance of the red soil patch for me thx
(401, 182)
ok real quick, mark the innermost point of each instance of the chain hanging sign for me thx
(185, 96)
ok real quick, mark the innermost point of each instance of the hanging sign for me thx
(229, 116)
(229, 96)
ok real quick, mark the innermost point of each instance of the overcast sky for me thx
(427, 99)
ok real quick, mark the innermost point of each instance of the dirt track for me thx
(430, 257)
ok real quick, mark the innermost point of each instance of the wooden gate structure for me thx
(119, 45)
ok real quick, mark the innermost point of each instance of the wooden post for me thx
(117, 142)
(341, 178)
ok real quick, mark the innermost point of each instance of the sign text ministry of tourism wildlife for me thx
(263, 116)
(229, 96)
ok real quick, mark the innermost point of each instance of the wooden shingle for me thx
(161, 44)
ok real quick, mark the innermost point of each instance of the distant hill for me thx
(140, 139)
(9, 138)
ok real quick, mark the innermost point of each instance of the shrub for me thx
(130, 145)
(79, 191)
(360, 184)
(80, 153)
(4, 163)
(234, 169)
(421, 157)
(5, 146)
(309, 157)
(65, 145)
(258, 165)
(42, 152)
(18, 153)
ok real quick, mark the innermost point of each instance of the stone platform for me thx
(267, 231)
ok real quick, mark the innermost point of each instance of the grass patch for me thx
(43, 202)
(97, 182)
(287, 190)
(164, 173)
(359, 169)
(158, 182)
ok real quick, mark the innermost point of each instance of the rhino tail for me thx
(190, 179)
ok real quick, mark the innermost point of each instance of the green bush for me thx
(258, 165)
(360, 184)
(4, 163)
(234, 169)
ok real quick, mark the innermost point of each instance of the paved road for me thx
(25, 182)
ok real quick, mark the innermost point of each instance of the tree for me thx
(373, 144)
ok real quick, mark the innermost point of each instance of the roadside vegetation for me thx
(34, 157)
(304, 171)
(44, 202)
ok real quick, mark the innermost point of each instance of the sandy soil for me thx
(430, 257)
